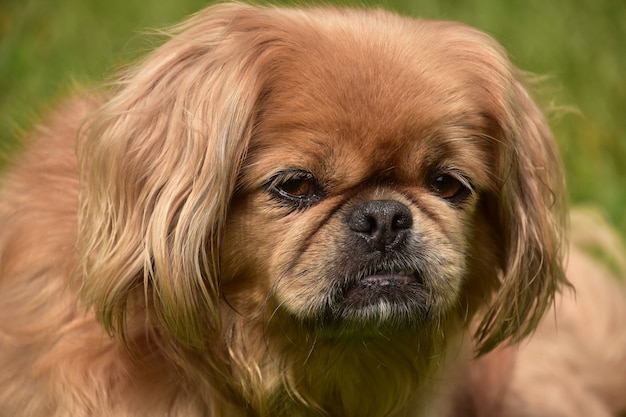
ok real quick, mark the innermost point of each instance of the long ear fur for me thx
(158, 170)
(529, 211)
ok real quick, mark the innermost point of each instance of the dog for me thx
(302, 212)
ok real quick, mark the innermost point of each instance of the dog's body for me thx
(333, 229)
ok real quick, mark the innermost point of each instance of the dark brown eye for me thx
(449, 187)
(296, 188)
(446, 186)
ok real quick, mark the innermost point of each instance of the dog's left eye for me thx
(450, 187)
(297, 188)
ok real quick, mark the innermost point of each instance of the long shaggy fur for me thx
(146, 269)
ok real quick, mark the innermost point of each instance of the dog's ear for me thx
(528, 213)
(158, 168)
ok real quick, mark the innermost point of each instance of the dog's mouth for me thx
(389, 286)
(377, 297)
(389, 277)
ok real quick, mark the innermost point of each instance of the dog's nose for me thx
(384, 224)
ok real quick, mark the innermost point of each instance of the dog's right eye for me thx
(297, 188)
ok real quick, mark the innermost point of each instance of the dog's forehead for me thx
(382, 73)
(357, 103)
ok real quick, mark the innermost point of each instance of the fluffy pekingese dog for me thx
(300, 212)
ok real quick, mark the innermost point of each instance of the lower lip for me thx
(389, 280)
(391, 287)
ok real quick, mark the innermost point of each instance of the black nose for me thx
(384, 224)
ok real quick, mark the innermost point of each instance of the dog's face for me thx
(339, 171)
(357, 206)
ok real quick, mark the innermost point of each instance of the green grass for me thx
(47, 46)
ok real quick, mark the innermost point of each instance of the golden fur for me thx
(198, 240)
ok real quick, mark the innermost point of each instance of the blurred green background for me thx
(47, 46)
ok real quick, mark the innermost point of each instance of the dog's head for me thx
(347, 172)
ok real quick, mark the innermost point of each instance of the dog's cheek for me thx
(273, 258)
(446, 237)
(304, 261)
